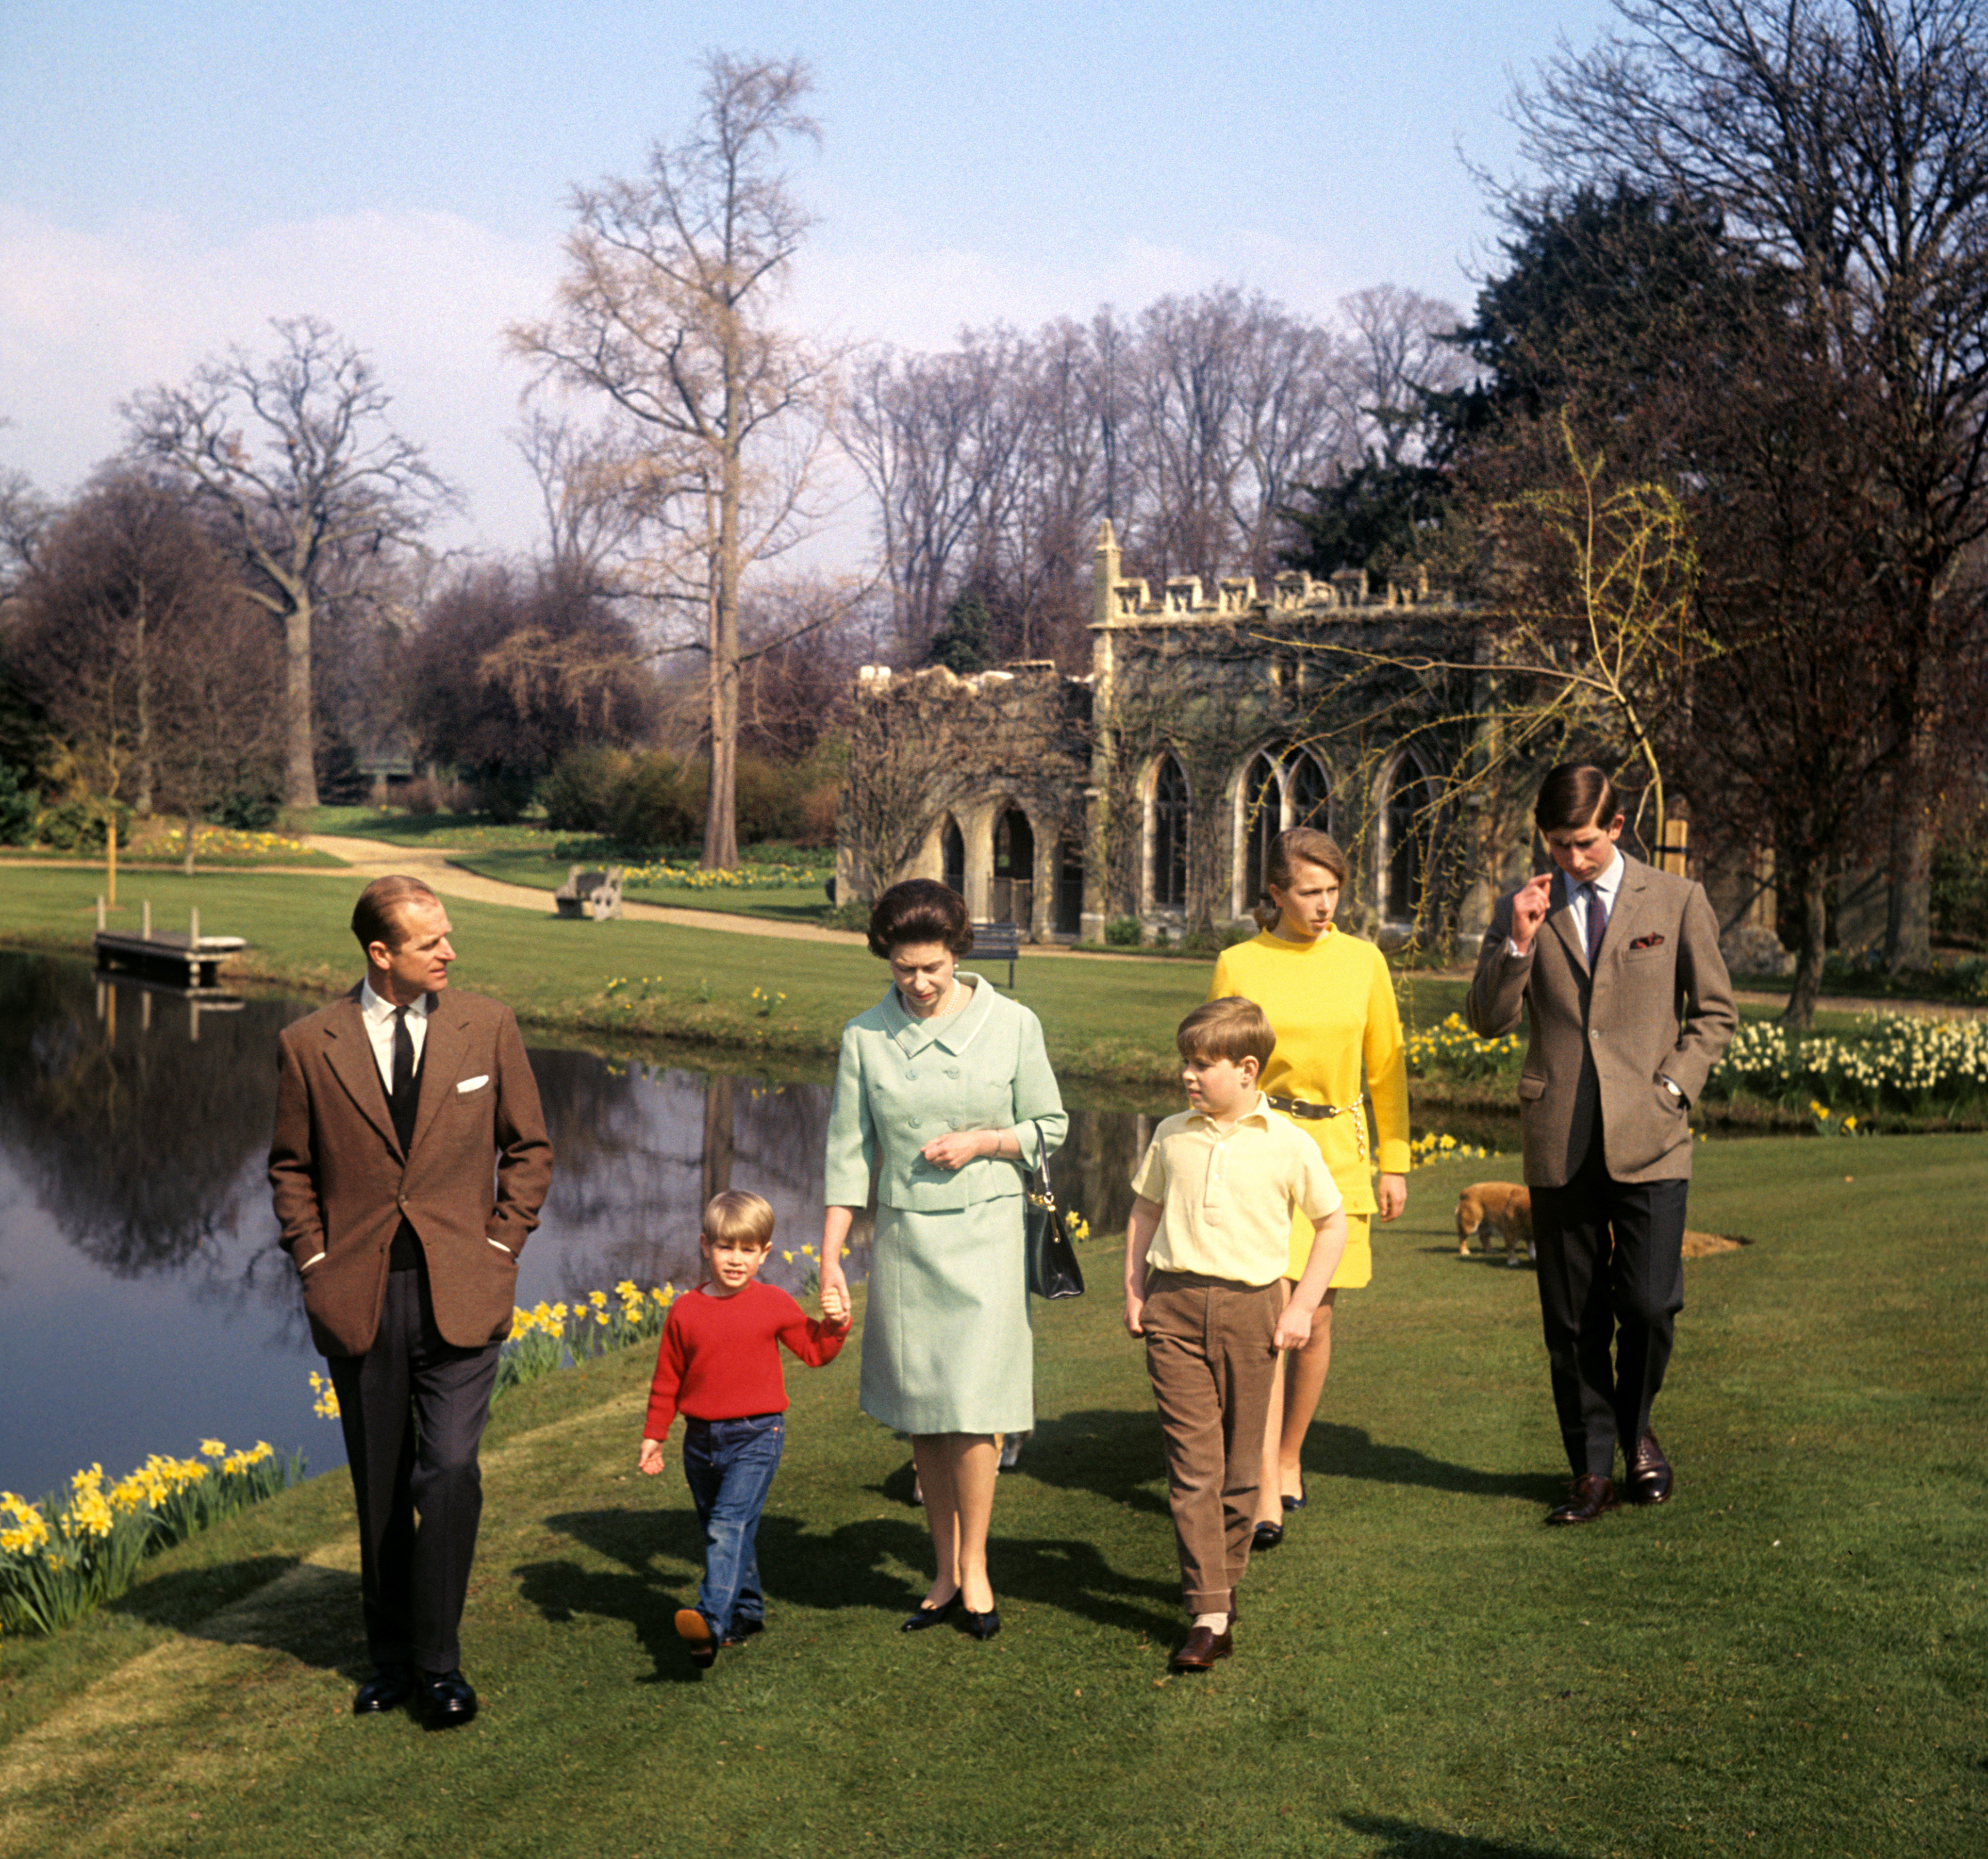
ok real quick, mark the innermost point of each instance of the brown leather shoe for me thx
(1203, 1647)
(1649, 1480)
(1591, 1496)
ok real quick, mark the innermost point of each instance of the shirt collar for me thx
(379, 1010)
(1258, 1113)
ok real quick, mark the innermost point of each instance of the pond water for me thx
(143, 1303)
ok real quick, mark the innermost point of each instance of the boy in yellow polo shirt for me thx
(1205, 1260)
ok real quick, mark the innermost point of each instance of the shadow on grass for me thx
(184, 1598)
(1405, 1839)
(1341, 1452)
(311, 1614)
(1116, 1455)
(853, 1567)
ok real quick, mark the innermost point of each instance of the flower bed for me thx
(60, 1558)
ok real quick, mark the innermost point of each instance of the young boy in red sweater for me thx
(719, 1364)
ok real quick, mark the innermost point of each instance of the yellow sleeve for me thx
(1387, 1072)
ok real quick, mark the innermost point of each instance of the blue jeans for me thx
(729, 1466)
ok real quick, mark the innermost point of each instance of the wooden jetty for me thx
(187, 962)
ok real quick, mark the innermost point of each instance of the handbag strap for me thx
(1042, 1168)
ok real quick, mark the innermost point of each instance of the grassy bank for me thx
(744, 998)
(1788, 1660)
(624, 981)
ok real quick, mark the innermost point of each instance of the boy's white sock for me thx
(1215, 1623)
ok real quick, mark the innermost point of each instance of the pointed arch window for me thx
(953, 856)
(1170, 830)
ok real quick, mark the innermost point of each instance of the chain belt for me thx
(1315, 1113)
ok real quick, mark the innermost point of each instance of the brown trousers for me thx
(1209, 1351)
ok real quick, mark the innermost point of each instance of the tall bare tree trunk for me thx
(299, 745)
(1801, 1010)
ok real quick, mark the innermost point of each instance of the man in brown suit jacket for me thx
(409, 1162)
(1628, 1006)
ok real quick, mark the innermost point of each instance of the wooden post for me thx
(110, 860)
(145, 920)
(1677, 839)
(99, 913)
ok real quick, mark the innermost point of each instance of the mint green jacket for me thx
(902, 1081)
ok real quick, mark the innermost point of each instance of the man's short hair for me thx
(1575, 795)
(377, 917)
(736, 1218)
(1232, 1028)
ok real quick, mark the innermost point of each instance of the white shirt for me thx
(379, 1016)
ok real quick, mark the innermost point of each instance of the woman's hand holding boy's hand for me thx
(834, 1289)
(652, 1457)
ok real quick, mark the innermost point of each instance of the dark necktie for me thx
(1597, 921)
(404, 1079)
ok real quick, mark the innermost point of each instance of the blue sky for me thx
(173, 175)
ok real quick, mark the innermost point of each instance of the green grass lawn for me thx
(1789, 1659)
(1110, 1022)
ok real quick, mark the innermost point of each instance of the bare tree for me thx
(329, 486)
(1399, 354)
(665, 311)
(144, 655)
(1846, 144)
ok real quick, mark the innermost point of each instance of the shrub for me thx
(1124, 933)
(659, 802)
(503, 794)
(77, 826)
(579, 794)
(18, 806)
(248, 809)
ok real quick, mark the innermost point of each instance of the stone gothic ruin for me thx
(1150, 788)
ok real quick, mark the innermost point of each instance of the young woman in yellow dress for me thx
(1331, 1003)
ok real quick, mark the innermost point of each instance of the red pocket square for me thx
(1648, 942)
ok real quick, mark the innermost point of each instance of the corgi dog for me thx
(1497, 1205)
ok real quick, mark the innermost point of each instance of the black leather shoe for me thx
(1266, 1535)
(923, 1617)
(1297, 1503)
(1592, 1495)
(448, 1700)
(1649, 1481)
(982, 1626)
(741, 1631)
(390, 1687)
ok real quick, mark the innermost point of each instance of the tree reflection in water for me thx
(139, 1134)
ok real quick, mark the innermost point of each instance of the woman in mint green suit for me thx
(941, 1089)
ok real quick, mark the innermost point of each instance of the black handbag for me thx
(1054, 1271)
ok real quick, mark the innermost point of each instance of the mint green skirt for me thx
(947, 1345)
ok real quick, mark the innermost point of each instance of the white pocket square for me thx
(475, 1084)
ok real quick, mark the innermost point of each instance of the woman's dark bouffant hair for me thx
(920, 909)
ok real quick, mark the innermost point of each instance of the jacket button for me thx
(911, 1074)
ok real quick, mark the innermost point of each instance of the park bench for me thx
(997, 942)
(591, 894)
